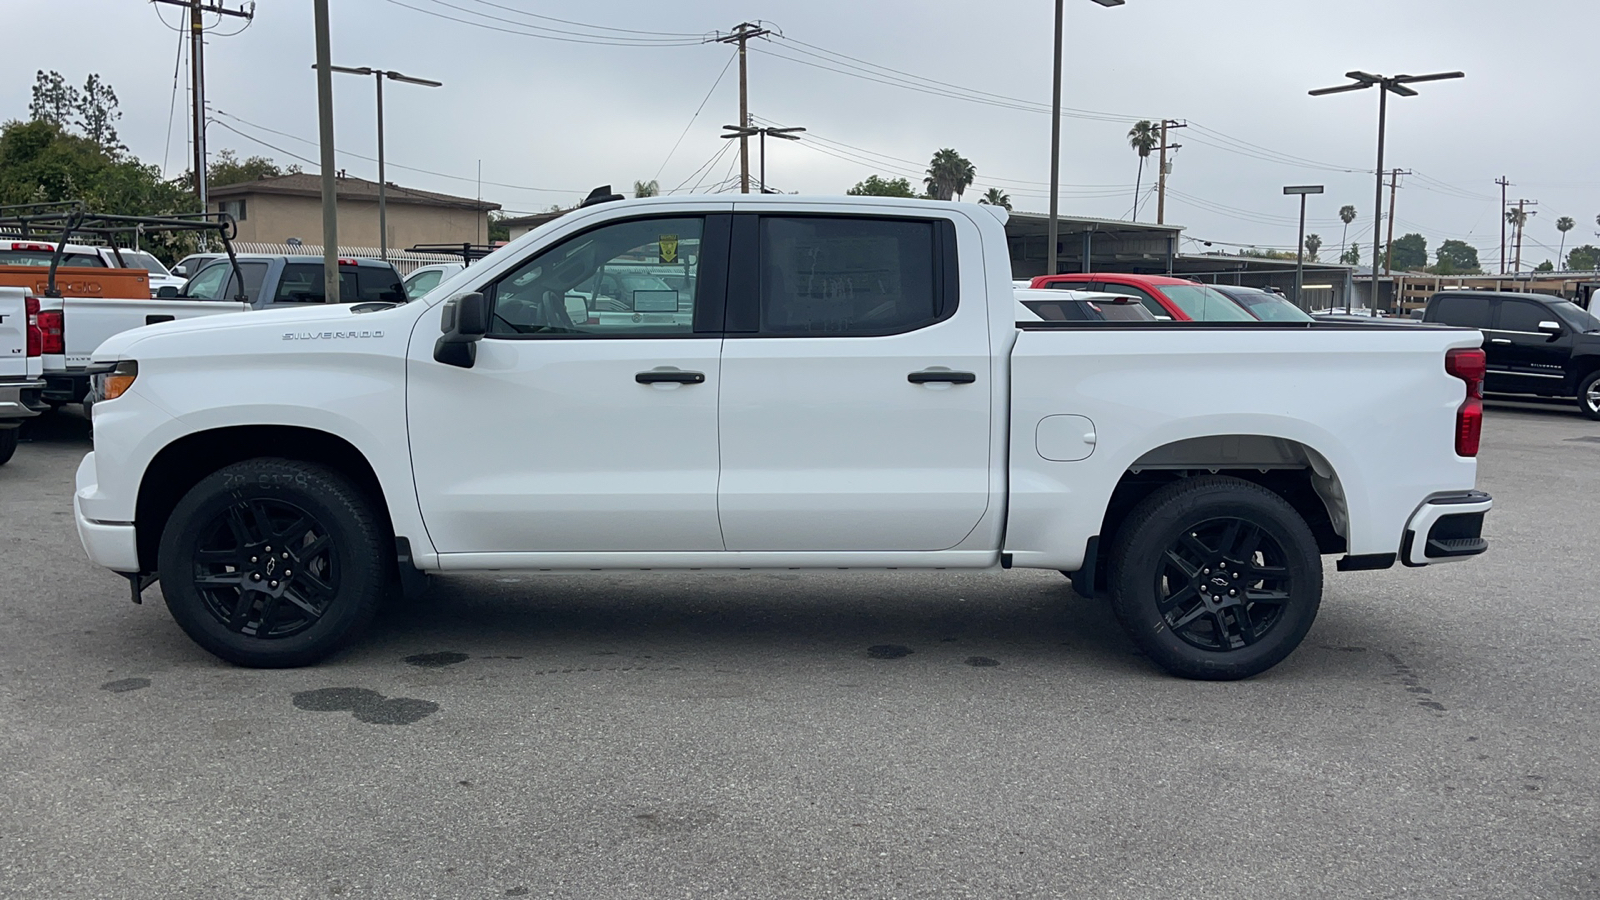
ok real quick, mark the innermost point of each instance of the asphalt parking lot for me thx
(777, 735)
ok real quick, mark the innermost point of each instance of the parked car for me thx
(1536, 344)
(425, 278)
(1080, 306)
(272, 280)
(1166, 298)
(21, 365)
(122, 258)
(1263, 305)
(848, 392)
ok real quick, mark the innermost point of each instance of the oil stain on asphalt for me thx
(436, 660)
(368, 706)
(122, 685)
(888, 651)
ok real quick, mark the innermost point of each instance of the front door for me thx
(1534, 360)
(589, 420)
(855, 387)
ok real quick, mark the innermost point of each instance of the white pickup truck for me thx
(21, 365)
(850, 390)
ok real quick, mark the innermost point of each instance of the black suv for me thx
(1535, 344)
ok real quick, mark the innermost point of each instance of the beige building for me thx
(272, 210)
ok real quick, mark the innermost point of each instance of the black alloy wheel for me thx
(1215, 578)
(1223, 585)
(266, 568)
(273, 562)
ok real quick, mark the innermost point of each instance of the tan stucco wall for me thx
(272, 218)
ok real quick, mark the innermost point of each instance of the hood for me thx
(337, 318)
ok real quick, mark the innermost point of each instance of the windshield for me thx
(1577, 317)
(1203, 304)
(1269, 308)
(138, 259)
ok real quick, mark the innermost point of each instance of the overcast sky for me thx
(550, 119)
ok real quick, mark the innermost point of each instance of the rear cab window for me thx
(1462, 311)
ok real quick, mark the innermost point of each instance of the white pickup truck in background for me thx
(21, 365)
(841, 384)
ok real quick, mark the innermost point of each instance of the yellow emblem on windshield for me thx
(669, 248)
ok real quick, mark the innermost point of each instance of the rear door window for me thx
(1466, 312)
(843, 277)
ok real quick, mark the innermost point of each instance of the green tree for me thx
(1460, 256)
(1351, 256)
(1410, 253)
(1585, 257)
(97, 114)
(498, 231)
(874, 186)
(226, 167)
(949, 175)
(650, 188)
(53, 99)
(1546, 266)
(1564, 225)
(996, 197)
(1313, 244)
(1143, 137)
(1347, 214)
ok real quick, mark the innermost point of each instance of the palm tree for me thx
(1313, 244)
(646, 188)
(1347, 214)
(949, 175)
(1143, 137)
(1517, 218)
(1564, 225)
(996, 197)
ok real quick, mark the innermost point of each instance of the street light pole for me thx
(378, 76)
(1052, 257)
(1397, 84)
(1300, 245)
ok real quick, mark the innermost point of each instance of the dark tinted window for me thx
(365, 284)
(301, 283)
(844, 276)
(1468, 312)
(1523, 315)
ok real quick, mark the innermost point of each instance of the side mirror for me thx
(1551, 328)
(181, 270)
(464, 321)
(166, 292)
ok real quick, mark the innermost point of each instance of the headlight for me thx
(115, 383)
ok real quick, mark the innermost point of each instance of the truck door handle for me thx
(153, 319)
(938, 376)
(1499, 340)
(670, 376)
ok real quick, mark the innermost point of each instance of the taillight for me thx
(37, 248)
(55, 331)
(30, 306)
(1469, 366)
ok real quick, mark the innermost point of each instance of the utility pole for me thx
(1503, 185)
(330, 188)
(1388, 255)
(197, 72)
(741, 35)
(1161, 180)
(1522, 220)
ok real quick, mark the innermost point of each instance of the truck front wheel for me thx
(1589, 395)
(270, 563)
(1215, 578)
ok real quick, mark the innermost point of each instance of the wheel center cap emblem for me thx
(271, 564)
(1219, 581)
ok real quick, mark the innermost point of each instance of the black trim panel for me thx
(1366, 562)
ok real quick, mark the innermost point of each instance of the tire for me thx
(1589, 395)
(328, 568)
(8, 443)
(1185, 547)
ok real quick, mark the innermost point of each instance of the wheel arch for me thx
(1293, 470)
(182, 464)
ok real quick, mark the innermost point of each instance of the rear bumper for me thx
(68, 386)
(1446, 529)
(111, 544)
(21, 399)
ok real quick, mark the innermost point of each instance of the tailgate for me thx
(13, 334)
(89, 322)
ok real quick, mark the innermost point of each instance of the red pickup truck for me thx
(1166, 298)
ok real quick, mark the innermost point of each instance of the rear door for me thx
(855, 411)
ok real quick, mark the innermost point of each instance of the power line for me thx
(698, 109)
(545, 34)
(530, 15)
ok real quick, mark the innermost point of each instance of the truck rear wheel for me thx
(271, 563)
(8, 443)
(1215, 578)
